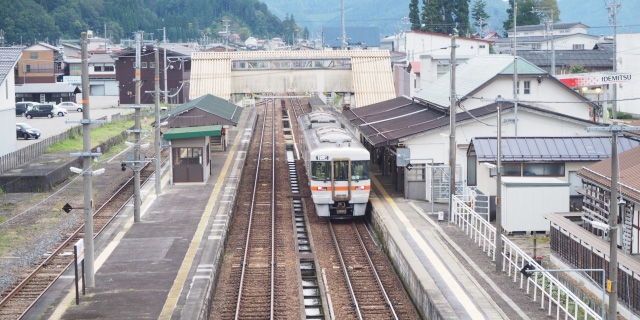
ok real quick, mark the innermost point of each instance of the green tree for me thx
(577, 68)
(448, 9)
(432, 16)
(462, 17)
(479, 15)
(414, 15)
(525, 15)
(553, 6)
(305, 33)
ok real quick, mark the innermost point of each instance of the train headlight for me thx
(361, 187)
(320, 188)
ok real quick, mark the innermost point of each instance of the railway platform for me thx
(164, 266)
(435, 271)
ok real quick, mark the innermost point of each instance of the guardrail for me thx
(30, 152)
(541, 285)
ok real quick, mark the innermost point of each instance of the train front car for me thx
(337, 166)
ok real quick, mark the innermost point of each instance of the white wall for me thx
(292, 80)
(546, 90)
(102, 73)
(628, 54)
(435, 144)
(8, 115)
(418, 43)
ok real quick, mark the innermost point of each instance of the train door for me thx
(341, 175)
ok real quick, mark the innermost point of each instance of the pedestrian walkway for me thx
(161, 267)
(429, 262)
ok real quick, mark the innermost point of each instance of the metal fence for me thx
(541, 285)
(30, 152)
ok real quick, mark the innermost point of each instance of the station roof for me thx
(213, 105)
(193, 132)
(527, 149)
(600, 172)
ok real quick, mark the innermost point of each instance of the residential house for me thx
(47, 92)
(597, 59)
(102, 75)
(424, 129)
(177, 69)
(565, 35)
(480, 80)
(358, 38)
(40, 63)
(628, 53)
(8, 59)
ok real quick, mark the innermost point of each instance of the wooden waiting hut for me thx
(190, 152)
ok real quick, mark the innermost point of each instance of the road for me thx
(56, 125)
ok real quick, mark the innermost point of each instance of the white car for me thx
(70, 106)
(60, 111)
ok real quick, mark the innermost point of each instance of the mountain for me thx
(27, 21)
(387, 15)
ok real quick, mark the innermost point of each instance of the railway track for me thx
(19, 299)
(297, 103)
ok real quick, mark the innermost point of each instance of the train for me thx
(337, 164)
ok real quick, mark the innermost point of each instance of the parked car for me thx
(61, 112)
(26, 132)
(70, 106)
(22, 107)
(40, 110)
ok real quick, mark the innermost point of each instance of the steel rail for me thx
(67, 242)
(345, 271)
(251, 210)
(273, 202)
(375, 272)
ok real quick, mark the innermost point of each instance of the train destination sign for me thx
(322, 158)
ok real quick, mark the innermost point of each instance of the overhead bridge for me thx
(364, 73)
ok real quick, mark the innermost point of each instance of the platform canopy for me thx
(193, 132)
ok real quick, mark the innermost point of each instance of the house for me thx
(423, 128)
(8, 59)
(47, 92)
(40, 63)
(205, 110)
(484, 78)
(565, 35)
(597, 59)
(360, 38)
(177, 69)
(417, 43)
(628, 53)
(102, 75)
(414, 77)
(558, 157)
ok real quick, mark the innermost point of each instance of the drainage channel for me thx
(311, 291)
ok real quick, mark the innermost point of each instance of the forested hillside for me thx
(31, 20)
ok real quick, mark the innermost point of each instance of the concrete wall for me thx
(8, 115)
(292, 80)
(628, 52)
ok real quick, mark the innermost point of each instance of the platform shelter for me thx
(190, 152)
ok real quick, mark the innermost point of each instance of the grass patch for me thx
(98, 136)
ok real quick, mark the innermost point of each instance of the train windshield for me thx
(360, 170)
(341, 170)
(320, 170)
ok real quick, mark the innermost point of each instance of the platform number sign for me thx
(78, 253)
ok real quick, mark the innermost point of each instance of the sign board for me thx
(404, 154)
(67, 208)
(79, 251)
(595, 79)
(409, 166)
(72, 79)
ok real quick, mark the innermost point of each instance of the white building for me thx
(567, 36)
(560, 28)
(628, 53)
(8, 59)
(102, 76)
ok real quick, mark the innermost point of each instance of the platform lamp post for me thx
(613, 214)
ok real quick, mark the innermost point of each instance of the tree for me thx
(305, 33)
(551, 5)
(525, 17)
(432, 16)
(414, 15)
(577, 68)
(448, 10)
(479, 15)
(462, 17)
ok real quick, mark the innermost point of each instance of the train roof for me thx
(323, 129)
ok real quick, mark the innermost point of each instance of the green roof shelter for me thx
(191, 151)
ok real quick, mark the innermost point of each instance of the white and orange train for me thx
(337, 165)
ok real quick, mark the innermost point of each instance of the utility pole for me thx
(515, 66)
(164, 65)
(614, 7)
(158, 147)
(1, 38)
(226, 34)
(480, 24)
(136, 146)
(548, 23)
(452, 128)
(498, 251)
(614, 202)
(343, 43)
(86, 168)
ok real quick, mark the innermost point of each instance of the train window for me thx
(320, 170)
(360, 170)
(341, 170)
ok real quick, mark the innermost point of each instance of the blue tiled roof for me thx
(370, 36)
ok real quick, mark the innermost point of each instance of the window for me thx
(578, 47)
(518, 87)
(33, 55)
(152, 65)
(527, 87)
(320, 170)
(144, 65)
(341, 170)
(360, 170)
(75, 67)
(536, 46)
(187, 156)
(482, 46)
(109, 68)
(416, 173)
(544, 169)
(97, 68)
(28, 68)
(472, 171)
(508, 170)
